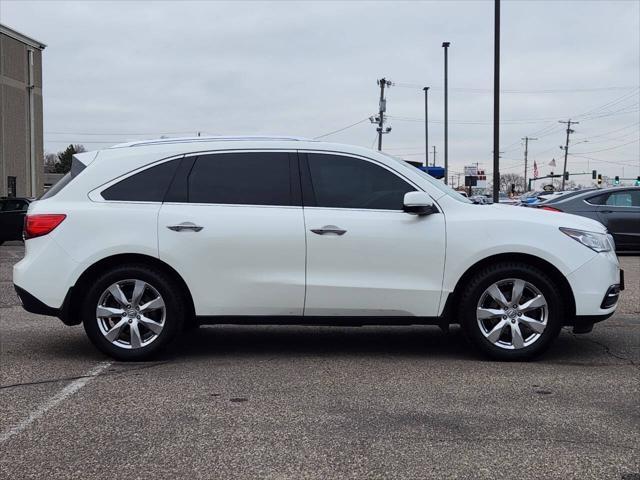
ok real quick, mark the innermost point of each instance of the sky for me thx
(123, 70)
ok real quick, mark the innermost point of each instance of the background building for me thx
(21, 142)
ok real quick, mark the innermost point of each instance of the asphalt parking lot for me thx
(317, 402)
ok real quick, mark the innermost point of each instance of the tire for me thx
(511, 334)
(157, 316)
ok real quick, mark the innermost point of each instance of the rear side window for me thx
(348, 182)
(76, 167)
(149, 185)
(251, 178)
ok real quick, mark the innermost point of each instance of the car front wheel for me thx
(132, 312)
(511, 311)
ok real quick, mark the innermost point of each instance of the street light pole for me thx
(445, 45)
(426, 126)
(526, 153)
(496, 102)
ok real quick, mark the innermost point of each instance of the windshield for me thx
(436, 183)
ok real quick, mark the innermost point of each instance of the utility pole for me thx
(566, 147)
(434, 155)
(496, 102)
(383, 82)
(445, 45)
(426, 125)
(526, 152)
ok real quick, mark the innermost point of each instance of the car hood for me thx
(546, 217)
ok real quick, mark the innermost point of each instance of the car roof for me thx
(567, 195)
(594, 192)
(246, 138)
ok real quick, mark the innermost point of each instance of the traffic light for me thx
(599, 179)
(616, 180)
(566, 175)
(594, 175)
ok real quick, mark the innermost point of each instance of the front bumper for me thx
(592, 282)
(584, 323)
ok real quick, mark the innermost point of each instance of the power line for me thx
(544, 91)
(630, 163)
(117, 134)
(614, 147)
(341, 129)
(611, 131)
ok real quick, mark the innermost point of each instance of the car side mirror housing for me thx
(418, 203)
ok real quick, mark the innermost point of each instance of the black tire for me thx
(174, 302)
(482, 280)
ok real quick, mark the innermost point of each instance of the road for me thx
(318, 403)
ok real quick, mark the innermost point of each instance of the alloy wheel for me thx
(131, 314)
(512, 314)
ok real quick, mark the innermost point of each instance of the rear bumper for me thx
(33, 305)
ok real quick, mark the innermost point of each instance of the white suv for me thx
(143, 240)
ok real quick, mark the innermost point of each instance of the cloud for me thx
(130, 70)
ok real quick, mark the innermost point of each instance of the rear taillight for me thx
(551, 209)
(39, 225)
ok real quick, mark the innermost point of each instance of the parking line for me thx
(59, 397)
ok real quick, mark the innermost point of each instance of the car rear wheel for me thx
(132, 312)
(511, 311)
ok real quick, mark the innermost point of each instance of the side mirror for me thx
(418, 203)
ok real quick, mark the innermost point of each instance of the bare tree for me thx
(509, 180)
(50, 160)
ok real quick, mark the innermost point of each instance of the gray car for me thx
(618, 209)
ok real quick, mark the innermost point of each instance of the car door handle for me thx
(329, 229)
(606, 211)
(184, 226)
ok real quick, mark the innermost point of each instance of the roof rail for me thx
(162, 141)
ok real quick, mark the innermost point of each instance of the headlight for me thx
(598, 242)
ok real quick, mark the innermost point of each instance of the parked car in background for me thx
(506, 199)
(537, 200)
(12, 212)
(145, 239)
(617, 208)
(481, 199)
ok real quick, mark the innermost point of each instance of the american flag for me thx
(535, 169)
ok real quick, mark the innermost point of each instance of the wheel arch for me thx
(77, 292)
(547, 267)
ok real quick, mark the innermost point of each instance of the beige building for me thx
(21, 142)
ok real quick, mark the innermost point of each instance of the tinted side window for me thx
(251, 178)
(76, 167)
(624, 199)
(348, 182)
(598, 199)
(149, 185)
